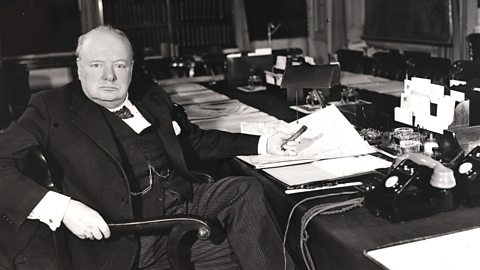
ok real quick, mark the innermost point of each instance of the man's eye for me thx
(95, 65)
(121, 66)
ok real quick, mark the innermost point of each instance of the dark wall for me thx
(412, 21)
(291, 14)
(38, 26)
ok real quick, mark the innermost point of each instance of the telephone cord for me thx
(323, 209)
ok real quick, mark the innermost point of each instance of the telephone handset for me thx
(416, 186)
(442, 177)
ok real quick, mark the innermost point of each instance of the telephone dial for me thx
(467, 174)
(416, 186)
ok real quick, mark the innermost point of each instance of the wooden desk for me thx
(339, 241)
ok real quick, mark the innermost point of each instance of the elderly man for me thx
(123, 158)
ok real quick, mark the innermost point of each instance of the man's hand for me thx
(274, 145)
(85, 222)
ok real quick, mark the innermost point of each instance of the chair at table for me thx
(350, 60)
(473, 41)
(433, 68)
(389, 65)
(465, 70)
(178, 228)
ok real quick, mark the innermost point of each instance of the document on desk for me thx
(329, 135)
(326, 170)
(195, 97)
(183, 88)
(456, 250)
(217, 109)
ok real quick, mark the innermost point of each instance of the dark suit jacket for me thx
(71, 129)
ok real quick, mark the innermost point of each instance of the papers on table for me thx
(183, 88)
(217, 109)
(329, 135)
(211, 110)
(330, 141)
(356, 79)
(418, 97)
(195, 97)
(372, 83)
(250, 89)
(233, 123)
(329, 169)
(457, 250)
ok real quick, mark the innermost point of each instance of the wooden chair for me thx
(350, 60)
(178, 228)
(465, 70)
(434, 68)
(473, 41)
(389, 65)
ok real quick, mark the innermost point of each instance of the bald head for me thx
(102, 30)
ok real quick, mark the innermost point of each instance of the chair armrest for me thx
(179, 226)
(186, 222)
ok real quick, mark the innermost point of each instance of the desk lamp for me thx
(315, 77)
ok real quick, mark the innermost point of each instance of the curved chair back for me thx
(350, 60)
(465, 70)
(473, 41)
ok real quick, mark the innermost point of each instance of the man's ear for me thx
(78, 67)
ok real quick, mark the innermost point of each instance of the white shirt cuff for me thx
(262, 145)
(50, 209)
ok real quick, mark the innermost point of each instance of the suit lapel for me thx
(87, 116)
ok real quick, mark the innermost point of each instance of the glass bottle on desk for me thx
(429, 144)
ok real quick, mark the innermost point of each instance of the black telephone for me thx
(468, 182)
(416, 186)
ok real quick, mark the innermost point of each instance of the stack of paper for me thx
(329, 135)
(211, 110)
(195, 97)
(329, 169)
(217, 109)
(233, 123)
(418, 97)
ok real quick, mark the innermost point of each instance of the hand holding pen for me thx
(294, 136)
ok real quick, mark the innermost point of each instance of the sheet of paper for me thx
(457, 250)
(262, 128)
(436, 91)
(183, 87)
(281, 62)
(203, 96)
(218, 109)
(446, 109)
(328, 169)
(419, 104)
(355, 79)
(232, 123)
(457, 95)
(420, 86)
(329, 135)
(403, 116)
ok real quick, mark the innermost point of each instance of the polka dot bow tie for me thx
(123, 113)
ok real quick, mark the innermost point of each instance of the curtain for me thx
(91, 12)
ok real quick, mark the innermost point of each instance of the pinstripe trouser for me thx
(238, 203)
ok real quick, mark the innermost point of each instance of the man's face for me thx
(105, 68)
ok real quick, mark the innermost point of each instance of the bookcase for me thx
(173, 27)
